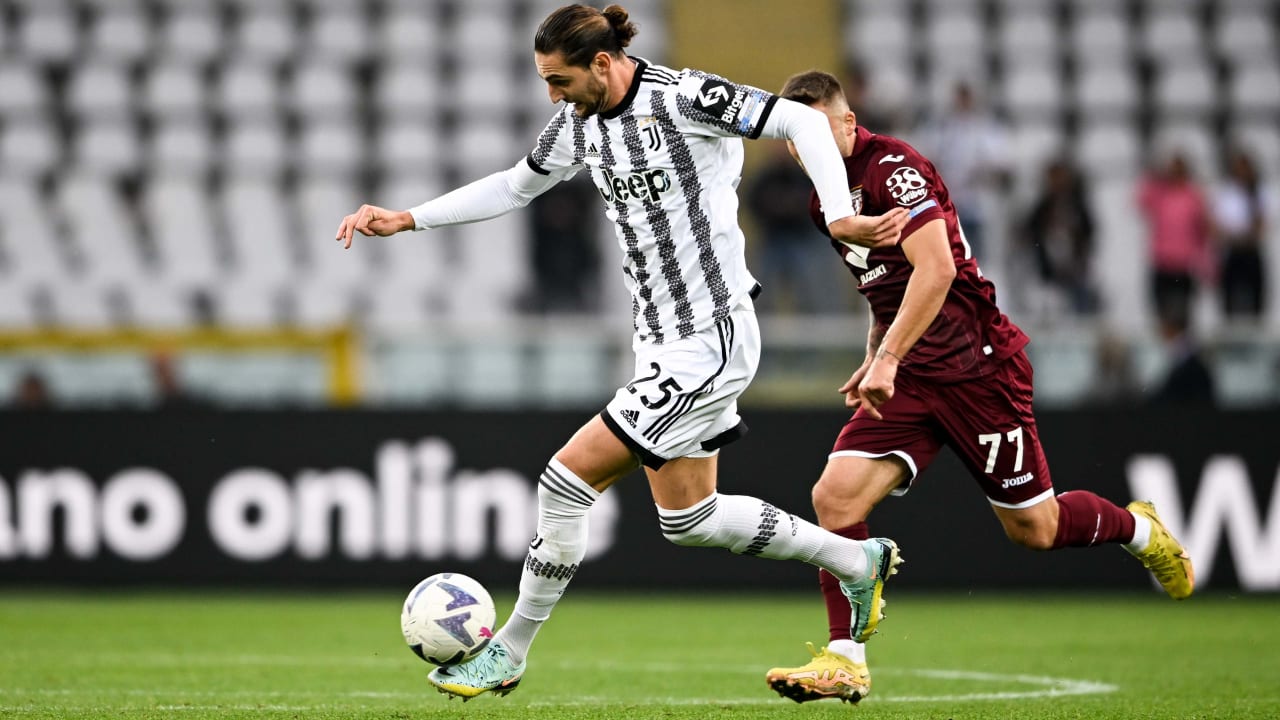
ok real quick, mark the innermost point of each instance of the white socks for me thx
(750, 526)
(1141, 534)
(855, 651)
(554, 554)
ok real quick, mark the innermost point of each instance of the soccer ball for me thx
(448, 619)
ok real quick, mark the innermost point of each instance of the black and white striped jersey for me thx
(667, 161)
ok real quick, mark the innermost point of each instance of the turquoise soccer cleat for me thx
(490, 671)
(865, 594)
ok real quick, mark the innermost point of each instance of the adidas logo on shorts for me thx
(631, 416)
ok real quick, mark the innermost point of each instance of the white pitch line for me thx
(1045, 687)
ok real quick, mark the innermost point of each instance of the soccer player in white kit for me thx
(665, 152)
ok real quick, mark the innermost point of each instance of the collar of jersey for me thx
(631, 91)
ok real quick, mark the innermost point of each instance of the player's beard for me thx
(596, 96)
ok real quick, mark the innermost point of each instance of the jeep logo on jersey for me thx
(645, 186)
(906, 186)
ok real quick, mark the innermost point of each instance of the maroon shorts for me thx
(988, 422)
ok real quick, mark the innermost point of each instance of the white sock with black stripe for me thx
(750, 526)
(554, 554)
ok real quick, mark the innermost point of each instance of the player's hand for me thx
(850, 389)
(871, 231)
(373, 220)
(876, 387)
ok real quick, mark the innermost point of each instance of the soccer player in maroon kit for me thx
(943, 366)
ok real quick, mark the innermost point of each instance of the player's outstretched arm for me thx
(373, 220)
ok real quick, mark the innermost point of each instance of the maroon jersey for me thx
(970, 336)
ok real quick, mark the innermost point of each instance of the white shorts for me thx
(683, 399)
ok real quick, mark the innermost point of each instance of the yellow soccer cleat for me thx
(1165, 557)
(827, 675)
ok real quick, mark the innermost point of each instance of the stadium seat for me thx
(407, 90)
(330, 148)
(487, 146)
(955, 36)
(119, 33)
(108, 147)
(881, 36)
(35, 251)
(1185, 89)
(190, 35)
(102, 229)
(1106, 91)
(29, 147)
(23, 93)
(1108, 150)
(258, 222)
(263, 35)
(1120, 258)
(485, 90)
(1033, 91)
(1254, 90)
(174, 90)
(405, 146)
(254, 148)
(180, 147)
(409, 33)
(248, 89)
(494, 268)
(322, 88)
(337, 33)
(1027, 35)
(489, 36)
(100, 90)
(183, 231)
(47, 33)
(1170, 34)
(1101, 34)
(160, 305)
(1244, 35)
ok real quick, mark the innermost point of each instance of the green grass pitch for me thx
(218, 655)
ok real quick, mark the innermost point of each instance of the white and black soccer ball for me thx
(448, 618)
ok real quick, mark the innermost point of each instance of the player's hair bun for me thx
(623, 29)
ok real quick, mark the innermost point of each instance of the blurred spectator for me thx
(1240, 228)
(1059, 229)
(970, 148)
(1178, 237)
(170, 395)
(794, 267)
(1188, 381)
(566, 257)
(31, 392)
(1115, 382)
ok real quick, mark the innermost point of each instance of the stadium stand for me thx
(176, 162)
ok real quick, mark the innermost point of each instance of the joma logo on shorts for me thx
(1022, 479)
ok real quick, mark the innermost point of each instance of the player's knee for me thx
(1031, 535)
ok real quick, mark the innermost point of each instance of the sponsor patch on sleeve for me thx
(714, 97)
(922, 207)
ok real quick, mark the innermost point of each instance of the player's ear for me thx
(851, 120)
(601, 63)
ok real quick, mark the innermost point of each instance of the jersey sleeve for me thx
(901, 177)
(710, 105)
(560, 147)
